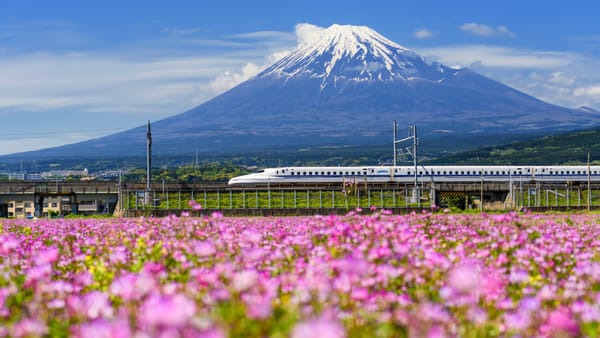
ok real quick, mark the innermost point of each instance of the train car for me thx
(407, 174)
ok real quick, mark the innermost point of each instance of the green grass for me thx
(299, 199)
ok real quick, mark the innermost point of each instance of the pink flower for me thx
(204, 249)
(492, 285)
(132, 286)
(518, 276)
(464, 278)
(194, 205)
(124, 286)
(47, 256)
(167, 311)
(8, 243)
(101, 328)
(252, 236)
(320, 327)
(244, 280)
(211, 333)
(38, 272)
(518, 321)
(153, 268)
(29, 328)
(259, 306)
(560, 323)
(96, 304)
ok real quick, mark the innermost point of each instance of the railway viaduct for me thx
(24, 199)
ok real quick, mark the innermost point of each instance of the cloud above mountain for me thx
(423, 34)
(485, 30)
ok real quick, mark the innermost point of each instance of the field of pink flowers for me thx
(380, 275)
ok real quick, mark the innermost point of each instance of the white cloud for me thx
(485, 30)
(181, 31)
(497, 57)
(423, 34)
(85, 82)
(228, 79)
(275, 35)
(562, 79)
(123, 86)
(591, 91)
(558, 77)
(307, 33)
(14, 144)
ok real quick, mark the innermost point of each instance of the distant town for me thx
(82, 175)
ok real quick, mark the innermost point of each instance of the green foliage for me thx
(210, 172)
(454, 202)
(277, 198)
(567, 148)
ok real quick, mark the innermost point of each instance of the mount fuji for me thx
(346, 87)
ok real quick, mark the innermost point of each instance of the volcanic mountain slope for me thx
(345, 88)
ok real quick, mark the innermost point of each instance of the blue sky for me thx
(74, 70)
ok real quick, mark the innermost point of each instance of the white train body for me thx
(406, 174)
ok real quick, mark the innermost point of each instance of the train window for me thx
(497, 172)
(420, 173)
(503, 172)
(329, 173)
(579, 172)
(444, 172)
(322, 173)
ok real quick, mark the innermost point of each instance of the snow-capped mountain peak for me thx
(353, 53)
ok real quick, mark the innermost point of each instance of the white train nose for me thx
(235, 180)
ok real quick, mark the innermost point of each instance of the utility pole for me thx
(412, 135)
(148, 160)
(395, 137)
(415, 141)
(589, 185)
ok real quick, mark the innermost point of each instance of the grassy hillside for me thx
(567, 148)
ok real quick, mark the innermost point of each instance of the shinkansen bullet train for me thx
(406, 174)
